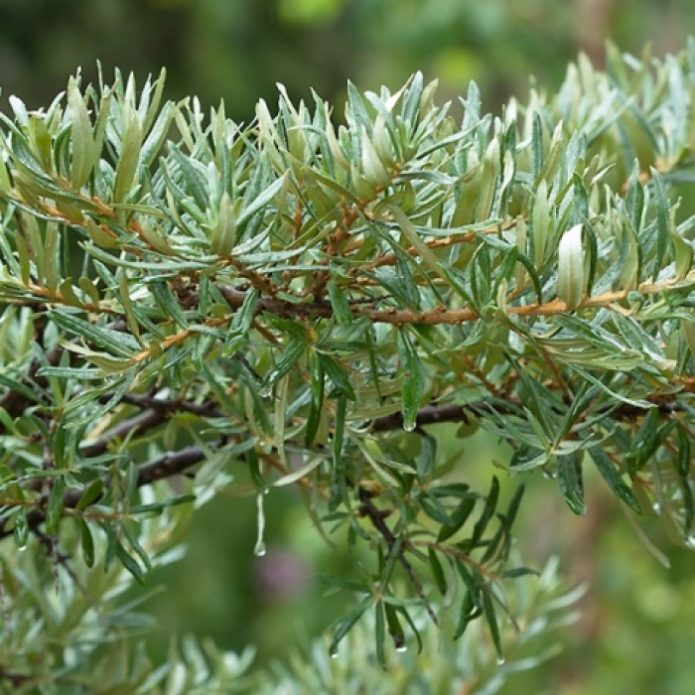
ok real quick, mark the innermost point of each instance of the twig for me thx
(158, 411)
(376, 517)
(16, 679)
(165, 466)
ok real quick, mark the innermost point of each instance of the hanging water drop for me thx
(402, 648)
(656, 507)
(334, 653)
(690, 542)
(500, 661)
(409, 426)
(259, 549)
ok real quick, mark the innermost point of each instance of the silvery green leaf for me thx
(571, 283)
(84, 151)
(372, 167)
(224, 233)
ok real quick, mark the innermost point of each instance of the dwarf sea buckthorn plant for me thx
(299, 302)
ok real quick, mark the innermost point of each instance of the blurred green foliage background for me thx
(638, 626)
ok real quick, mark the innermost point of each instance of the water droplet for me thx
(266, 392)
(690, 542)
(656, 507)
(500, 661)
(259, 549)
(409, 426)
(334, 654)
(266, 491)
(401, 648)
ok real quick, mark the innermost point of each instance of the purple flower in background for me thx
(280, 574)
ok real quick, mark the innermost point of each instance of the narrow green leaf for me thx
(116, 342)
(339, 303)
(662, 221)
(260, 201)
(437, 571)
(610, 474)
(345, 624)
(54, 508)
(380, 633)
(86, 542)
(316, 406)
(337, 374)
(413, 387)
(491, 618)
(91, 494)
(20, 531)
(168, 304)
(395, 627)
(84, 152)
(458, 518)
(569, 470)
(487, 512)
(571, 283)
(129, 563)
(128, 158)
(225, 232)
(287, 360)
(339, 431)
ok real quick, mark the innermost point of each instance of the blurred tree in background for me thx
(238, 49)
(638, 618)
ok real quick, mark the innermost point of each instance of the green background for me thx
(637, 629)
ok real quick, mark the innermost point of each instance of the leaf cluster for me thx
(298, 302)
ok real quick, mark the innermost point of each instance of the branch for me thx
(442, 315)
(165, 466)
(173, 463)
(158, 411)
(16, 680)
(429, 415)
(169, 464)
(377, 516)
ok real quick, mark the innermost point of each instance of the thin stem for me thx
(376, 517)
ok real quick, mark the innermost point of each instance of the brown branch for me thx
(16, 679)
(165, 466)
(140, 423)
(437, 243)
(442, 315)
(158, 411)
(173, 463)
(429, 415)
(235, 298)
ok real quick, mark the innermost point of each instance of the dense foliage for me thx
(295, 303)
